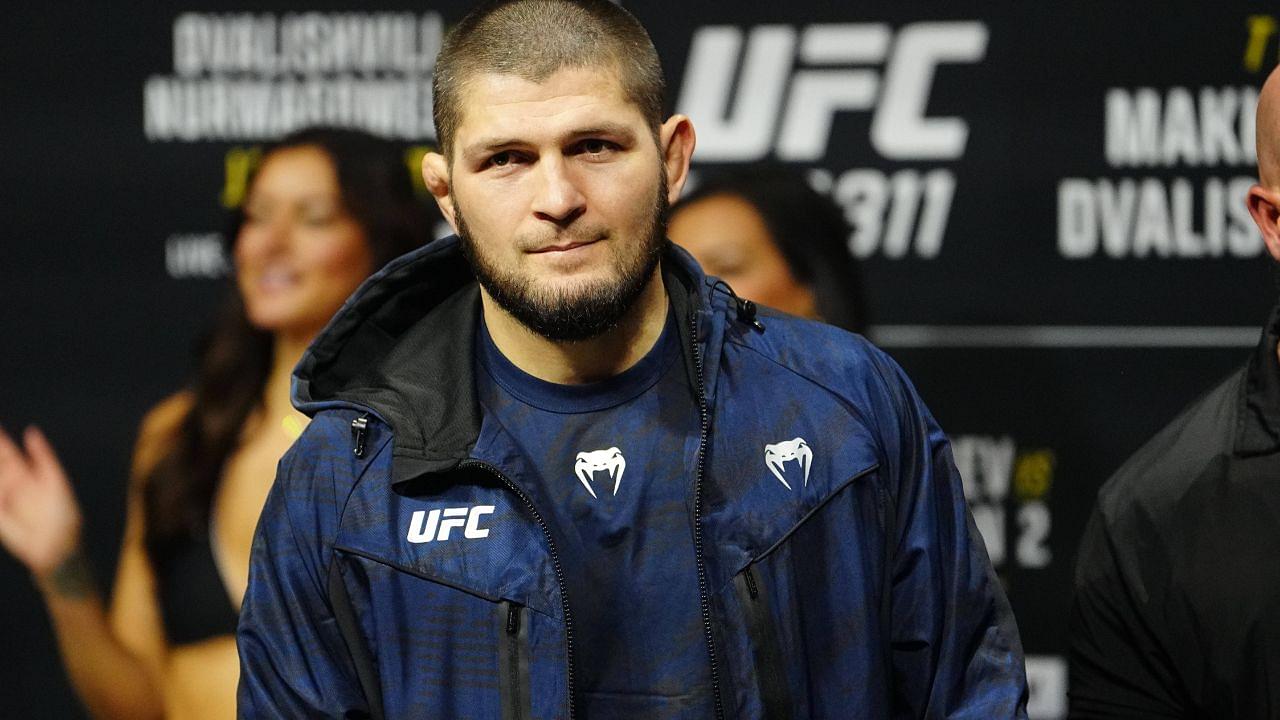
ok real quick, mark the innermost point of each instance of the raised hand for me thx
(39, 517)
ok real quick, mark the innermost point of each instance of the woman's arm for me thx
(114, 661)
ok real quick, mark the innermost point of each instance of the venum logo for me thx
(777, 455)
(777, 88)
(425, 527)
(589, 462)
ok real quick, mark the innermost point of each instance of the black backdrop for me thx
(1048, 199)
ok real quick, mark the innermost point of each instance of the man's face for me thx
(560, 196)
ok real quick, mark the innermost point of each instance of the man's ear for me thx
(435, 174)
(675, 141)
(1264, 206)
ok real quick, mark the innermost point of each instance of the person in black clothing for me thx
(1177, 602)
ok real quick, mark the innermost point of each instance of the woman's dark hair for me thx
(808, 228)
(236, 357)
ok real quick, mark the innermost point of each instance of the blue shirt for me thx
(611, 467)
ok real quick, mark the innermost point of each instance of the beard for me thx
(583, 310)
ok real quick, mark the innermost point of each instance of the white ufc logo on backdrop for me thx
(435, 525)
(742, 128)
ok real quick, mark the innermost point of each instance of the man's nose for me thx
(558, 198)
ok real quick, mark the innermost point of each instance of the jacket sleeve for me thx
(293, 660)
(955, 646)
(1118, 667)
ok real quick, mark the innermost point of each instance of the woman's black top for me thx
(194, 602)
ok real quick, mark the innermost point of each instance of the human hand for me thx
(40, 519)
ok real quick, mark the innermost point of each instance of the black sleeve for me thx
(1119, 669)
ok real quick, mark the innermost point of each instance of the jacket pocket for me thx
(513, 661)
(766, 651)
(426, 648)
(362, 660)
(803, 618)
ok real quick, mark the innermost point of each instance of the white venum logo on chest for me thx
(777, 455)
(591, 462)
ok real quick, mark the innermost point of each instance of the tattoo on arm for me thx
(73, 579)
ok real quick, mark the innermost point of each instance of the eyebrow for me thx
(622, 132)
(494, 144)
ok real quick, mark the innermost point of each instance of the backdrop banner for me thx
(1048, 204)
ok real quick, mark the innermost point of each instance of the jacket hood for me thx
(402, 347)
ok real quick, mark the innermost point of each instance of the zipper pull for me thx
(747, 313)
(513, 618)
(746, 308)
(752, 589)
(359, 433)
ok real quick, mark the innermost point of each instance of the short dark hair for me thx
(808, 228)
(532, 39)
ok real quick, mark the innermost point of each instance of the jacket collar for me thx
(402, 347)
(1258, 418)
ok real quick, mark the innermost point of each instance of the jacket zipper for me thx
(766, 653)
(513, 658)
(555, 563)
(750, 579)
(704, 598)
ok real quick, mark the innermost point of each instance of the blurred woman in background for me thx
(324, 209)
(776, 241)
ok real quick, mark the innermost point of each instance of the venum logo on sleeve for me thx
(777, 455)
(589, 462)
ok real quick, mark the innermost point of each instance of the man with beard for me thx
(1177, 582)
(597, 483)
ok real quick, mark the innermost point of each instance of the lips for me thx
(276, 279)
(563, 247)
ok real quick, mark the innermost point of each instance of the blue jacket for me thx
(840, 574)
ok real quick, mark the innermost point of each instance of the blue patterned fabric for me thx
(840, 572)
(628, 554)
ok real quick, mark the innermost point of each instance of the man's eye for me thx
(594, 147)
(502, 159)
